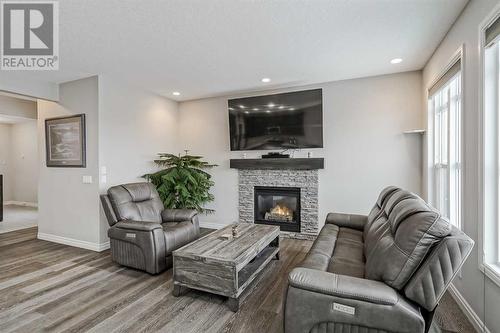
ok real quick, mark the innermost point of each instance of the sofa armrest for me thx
(177, 215)
(352, 221)
(343, 286)
(138, 226)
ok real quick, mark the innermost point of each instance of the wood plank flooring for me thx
(56, 288)
(49, 287)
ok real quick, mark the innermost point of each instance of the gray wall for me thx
(473, 285)
(5, 170)
(24, 161)
(365, 148)
(126, 127)
(16, 107)
(134, 125)
(67, 207)
(19, 150)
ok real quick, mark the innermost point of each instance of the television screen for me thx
(291, 120)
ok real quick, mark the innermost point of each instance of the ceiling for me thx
(208, 48)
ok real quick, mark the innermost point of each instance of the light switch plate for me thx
(87, 179)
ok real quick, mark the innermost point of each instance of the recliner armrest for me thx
(353, 221)
(138, 226)
(343, 286)
(177, 215)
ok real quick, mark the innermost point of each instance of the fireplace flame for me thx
(279, 213)
(283, 211)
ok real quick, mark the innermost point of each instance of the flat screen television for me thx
(291, 120)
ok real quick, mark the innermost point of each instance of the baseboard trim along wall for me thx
(467, 309)
(21, 203)
(74, 242)
(211, 225)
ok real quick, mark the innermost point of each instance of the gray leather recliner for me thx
(142, 233)
(384, 272)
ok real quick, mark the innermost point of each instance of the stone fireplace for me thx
(281, 188)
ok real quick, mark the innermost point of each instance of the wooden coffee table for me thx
(225, 267)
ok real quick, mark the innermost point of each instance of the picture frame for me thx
(65, 142)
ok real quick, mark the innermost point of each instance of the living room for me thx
(341, 183)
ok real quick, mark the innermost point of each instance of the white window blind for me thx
(492, 154)
(445, 122)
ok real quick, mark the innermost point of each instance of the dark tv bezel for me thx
(283, 148)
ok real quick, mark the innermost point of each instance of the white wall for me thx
(126, 127)
(16, 107)
(10, 82)
(24, 161)
(69, 209)
(5, 170)
(134, 126)
(365, 149)
(476, 289)
(17, 140)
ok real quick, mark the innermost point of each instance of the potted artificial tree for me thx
(183, 181)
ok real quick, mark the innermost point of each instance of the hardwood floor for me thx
(51, 287)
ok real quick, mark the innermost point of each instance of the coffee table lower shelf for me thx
(221, 279)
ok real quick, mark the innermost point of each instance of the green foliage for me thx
(183, 183)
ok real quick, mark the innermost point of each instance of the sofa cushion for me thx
(348, 257)
(407, 230)
(138, 202)
(337, 250)
(346, 267)
(322, 249)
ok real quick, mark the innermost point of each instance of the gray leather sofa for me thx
(384, 272)
(142, 233)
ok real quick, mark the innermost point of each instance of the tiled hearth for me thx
(306, 180)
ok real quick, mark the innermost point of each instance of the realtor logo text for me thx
(29, 35)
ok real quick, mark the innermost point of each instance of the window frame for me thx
(458, 55)
(492, 271)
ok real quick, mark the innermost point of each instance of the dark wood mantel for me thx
(278, 163)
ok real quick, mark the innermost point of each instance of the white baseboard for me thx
(74, 242)
(211, 225)
(21, 203)
(467, 309)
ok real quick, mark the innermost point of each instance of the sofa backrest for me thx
(430, 281)
(400, 237)
(136, 201)
(373, 223)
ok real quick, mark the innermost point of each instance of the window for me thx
(491, 139)
(445, 144)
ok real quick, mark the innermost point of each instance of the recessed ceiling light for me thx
(176, 93)
(396, 60)
(266, 80)
(271, 105)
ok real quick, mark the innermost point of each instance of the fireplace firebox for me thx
(278, 206)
